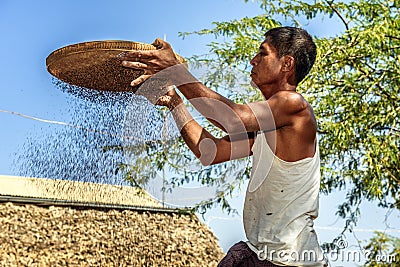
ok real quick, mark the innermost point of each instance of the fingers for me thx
(137, 55)
(161, 44)
(151, 61)
(137, 65)
(140, 80)
(163, 101)
(134, 65)
(170, 90)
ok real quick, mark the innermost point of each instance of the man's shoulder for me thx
(290, 101)
(288, 95)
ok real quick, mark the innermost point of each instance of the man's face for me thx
(266, 65)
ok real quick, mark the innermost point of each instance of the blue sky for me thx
(31, 30)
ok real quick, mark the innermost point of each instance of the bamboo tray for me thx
(96, 65)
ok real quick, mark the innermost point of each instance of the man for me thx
(279, 132)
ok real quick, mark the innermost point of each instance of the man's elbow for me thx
(208, 152)
(207, 159)
(205, 163)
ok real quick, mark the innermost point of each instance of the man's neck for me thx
(270, 90)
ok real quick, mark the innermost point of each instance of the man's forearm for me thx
(219, 110)
(199, 141)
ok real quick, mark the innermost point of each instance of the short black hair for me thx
(297, 43)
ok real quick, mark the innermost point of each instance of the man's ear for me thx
(288, 63)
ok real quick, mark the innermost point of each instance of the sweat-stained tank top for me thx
(280, 206)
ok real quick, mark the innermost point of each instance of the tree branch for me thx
(346, 24)
(392, 37)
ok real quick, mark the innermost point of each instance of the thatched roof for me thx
(74, 191)
(46, 233)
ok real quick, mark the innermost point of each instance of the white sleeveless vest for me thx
(280, 206)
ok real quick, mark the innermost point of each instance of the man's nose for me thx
(253, 62)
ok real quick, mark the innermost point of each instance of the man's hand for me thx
(171, 100)
(151, 61)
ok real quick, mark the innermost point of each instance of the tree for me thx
(382, 250)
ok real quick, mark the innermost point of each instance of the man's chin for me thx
(253, 84)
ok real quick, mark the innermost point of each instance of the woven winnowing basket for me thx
(96, 65)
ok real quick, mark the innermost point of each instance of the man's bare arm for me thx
(233, 118)
(209, 149)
